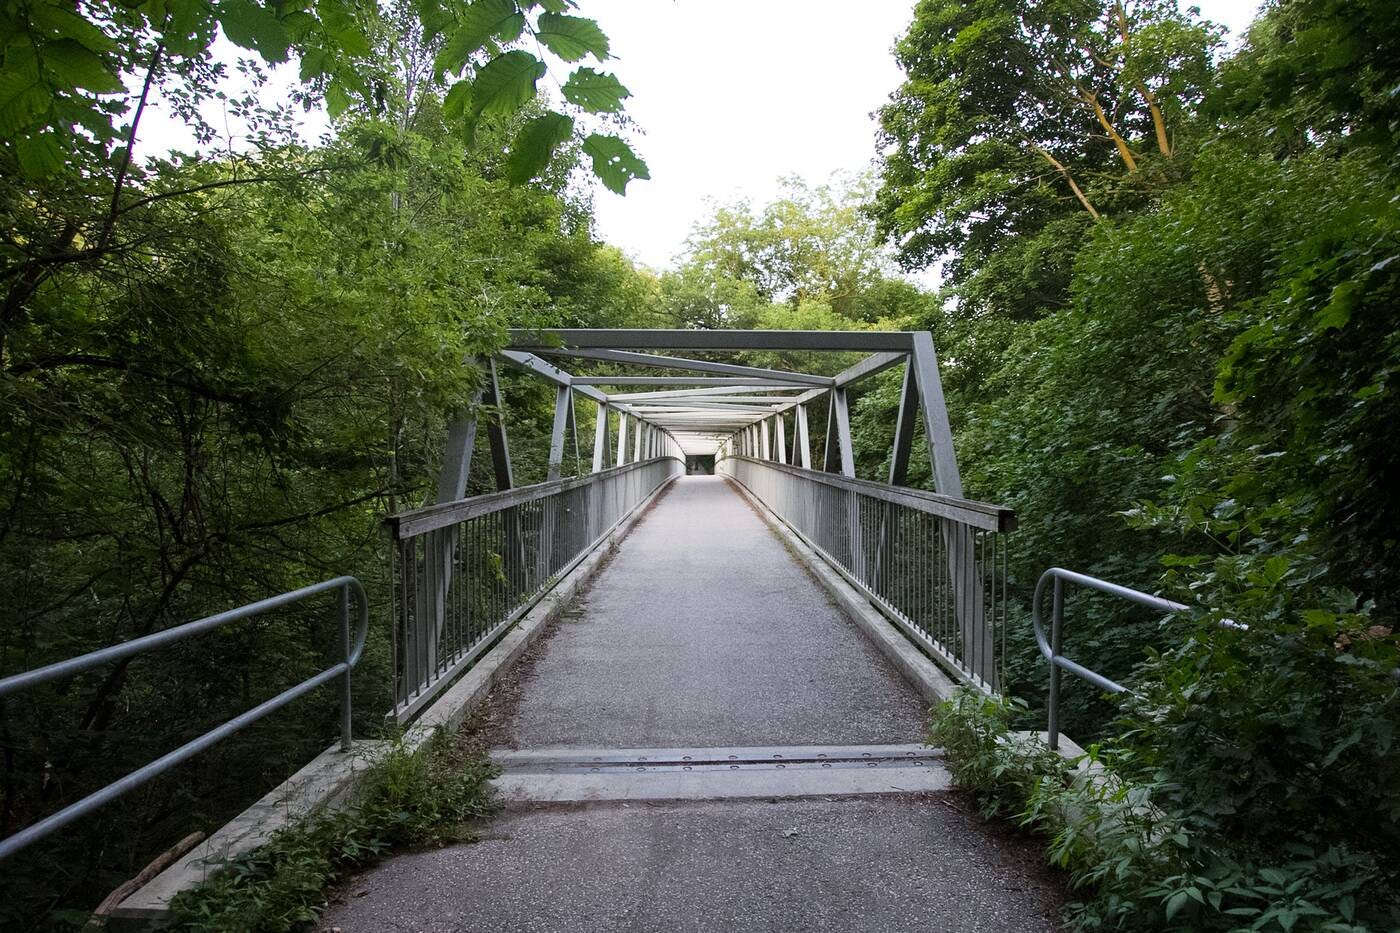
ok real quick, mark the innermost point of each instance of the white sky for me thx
(730, 96)
(734, 94)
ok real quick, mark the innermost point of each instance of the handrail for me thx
(429, 518)
(348, 587)
(1051, 649)
(968, 511)
(466, 571)
(935, 568)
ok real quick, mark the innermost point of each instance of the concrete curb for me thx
(916, 667)
(330, 779)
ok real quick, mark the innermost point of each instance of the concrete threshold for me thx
(593, 775)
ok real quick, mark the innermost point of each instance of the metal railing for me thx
(1051, 648)
(934, 564)
(347, 587)
(465, 571)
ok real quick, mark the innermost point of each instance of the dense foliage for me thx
(220, 370)
(1138, 861)
(1174, 354)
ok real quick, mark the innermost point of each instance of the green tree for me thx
(1187, 389)
(220, 402)
(1015, 113)
(68, 127)
(810, 243)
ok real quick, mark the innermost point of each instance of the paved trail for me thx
(703, 632)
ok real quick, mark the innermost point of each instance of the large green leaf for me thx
(189, 26)
(69, 25)
(614, 162)
(506, 82)
(22, 98)
(594, 91)
(338, 18)
(338, 98)
(39, 154)
(314, 63)
(254, 26)
(535, 144)
(481, 21)
(77, 66)
(457, 100)
(572, 37)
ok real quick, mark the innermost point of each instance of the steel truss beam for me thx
(876, 362)
(548, 341)
(698, 366)
(686, 381)
(673, 406)
(727, 391)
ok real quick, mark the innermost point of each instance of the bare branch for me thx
(1064, 172)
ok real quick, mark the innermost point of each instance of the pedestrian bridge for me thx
(706, 740)
(723, 727)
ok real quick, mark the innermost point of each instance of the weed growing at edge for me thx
(408, 800)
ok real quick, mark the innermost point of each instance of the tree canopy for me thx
(1169, 342)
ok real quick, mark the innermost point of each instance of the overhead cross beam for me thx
(698, 366)
(686, 381)
(698, 392)
(828, 340)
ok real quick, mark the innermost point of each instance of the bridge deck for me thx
(703, 632)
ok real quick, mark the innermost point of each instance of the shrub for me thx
(1142, 858)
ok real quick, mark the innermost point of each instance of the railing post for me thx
(855, 540)
(345, 696)
(1057, 614)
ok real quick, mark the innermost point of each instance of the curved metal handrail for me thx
(348, 587)
(1050, 648)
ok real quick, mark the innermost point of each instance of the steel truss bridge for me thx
(465, 570)
(934, 561)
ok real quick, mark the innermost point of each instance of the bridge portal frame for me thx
(738, 407)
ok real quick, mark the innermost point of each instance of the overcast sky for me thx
(729, 96)
(734, 94)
